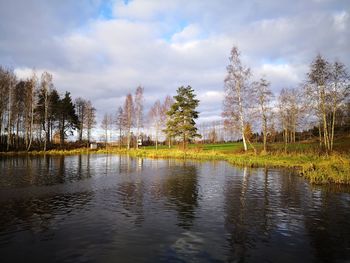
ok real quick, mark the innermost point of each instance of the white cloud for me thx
(189, 33)
(280, 75)
(144, 9)
(341, 21)
(162, 45)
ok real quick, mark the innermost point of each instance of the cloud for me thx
(103, 50)
(189, 33)
(282, 75)
(341, 21)
(142, 10)
(28, 29)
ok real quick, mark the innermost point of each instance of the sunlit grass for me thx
(318, 169)
(305, 157)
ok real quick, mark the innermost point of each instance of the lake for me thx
(111, 208)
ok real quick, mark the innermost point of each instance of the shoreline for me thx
(317, 169)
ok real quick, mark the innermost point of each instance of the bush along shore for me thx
(318, 169)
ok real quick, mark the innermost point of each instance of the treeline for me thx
(130, 120)
(33, 115)
(318, 108)
(322, 101)
(169, 121)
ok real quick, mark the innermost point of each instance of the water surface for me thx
(110, 208)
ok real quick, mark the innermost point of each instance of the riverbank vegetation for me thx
(306, 126)
(304, 157)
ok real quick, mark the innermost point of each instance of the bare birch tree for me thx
(290, 112)
(4, 86)
(155, 115)
(339, 92)
(106, 126)
(264, 96)
(90, 119)
(283, 114)
(120, 123)
(168, 101)
(11, 82)
(32, 85)
(318, 91)
(18, 111)
(138, 111)
(46, 86)
(237, 93)
(30, 111)
(129, 114)
(80, 107)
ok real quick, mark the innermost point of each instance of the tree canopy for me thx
(182, 115)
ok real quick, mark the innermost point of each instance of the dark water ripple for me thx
(109, 208)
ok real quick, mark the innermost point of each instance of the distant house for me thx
(93, 146)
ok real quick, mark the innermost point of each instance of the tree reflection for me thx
(38, 214)
(127, 164)
(328, 227)
(265, 211)
(256, 215)
(250, 220)
(131, 197)
(181, 189)
(235, 220)
(61, 168)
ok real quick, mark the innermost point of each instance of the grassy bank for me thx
(317, 168)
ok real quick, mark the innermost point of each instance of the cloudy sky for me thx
(101, 50)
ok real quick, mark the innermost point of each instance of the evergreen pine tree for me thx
(182, 114)
(68, 119)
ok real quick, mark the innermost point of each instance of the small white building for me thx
(93, 146)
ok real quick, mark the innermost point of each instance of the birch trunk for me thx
(241, 118)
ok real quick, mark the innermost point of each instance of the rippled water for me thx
(109, 208)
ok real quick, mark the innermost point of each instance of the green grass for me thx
(221, 147)
(225, 148)
(237, 147)
(318, 169)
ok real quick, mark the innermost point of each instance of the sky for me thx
(102, 50)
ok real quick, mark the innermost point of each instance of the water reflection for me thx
(327, 227)
(181, 189)
(269, 213)
(102, 207)
(131, 196)
(38, 215)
